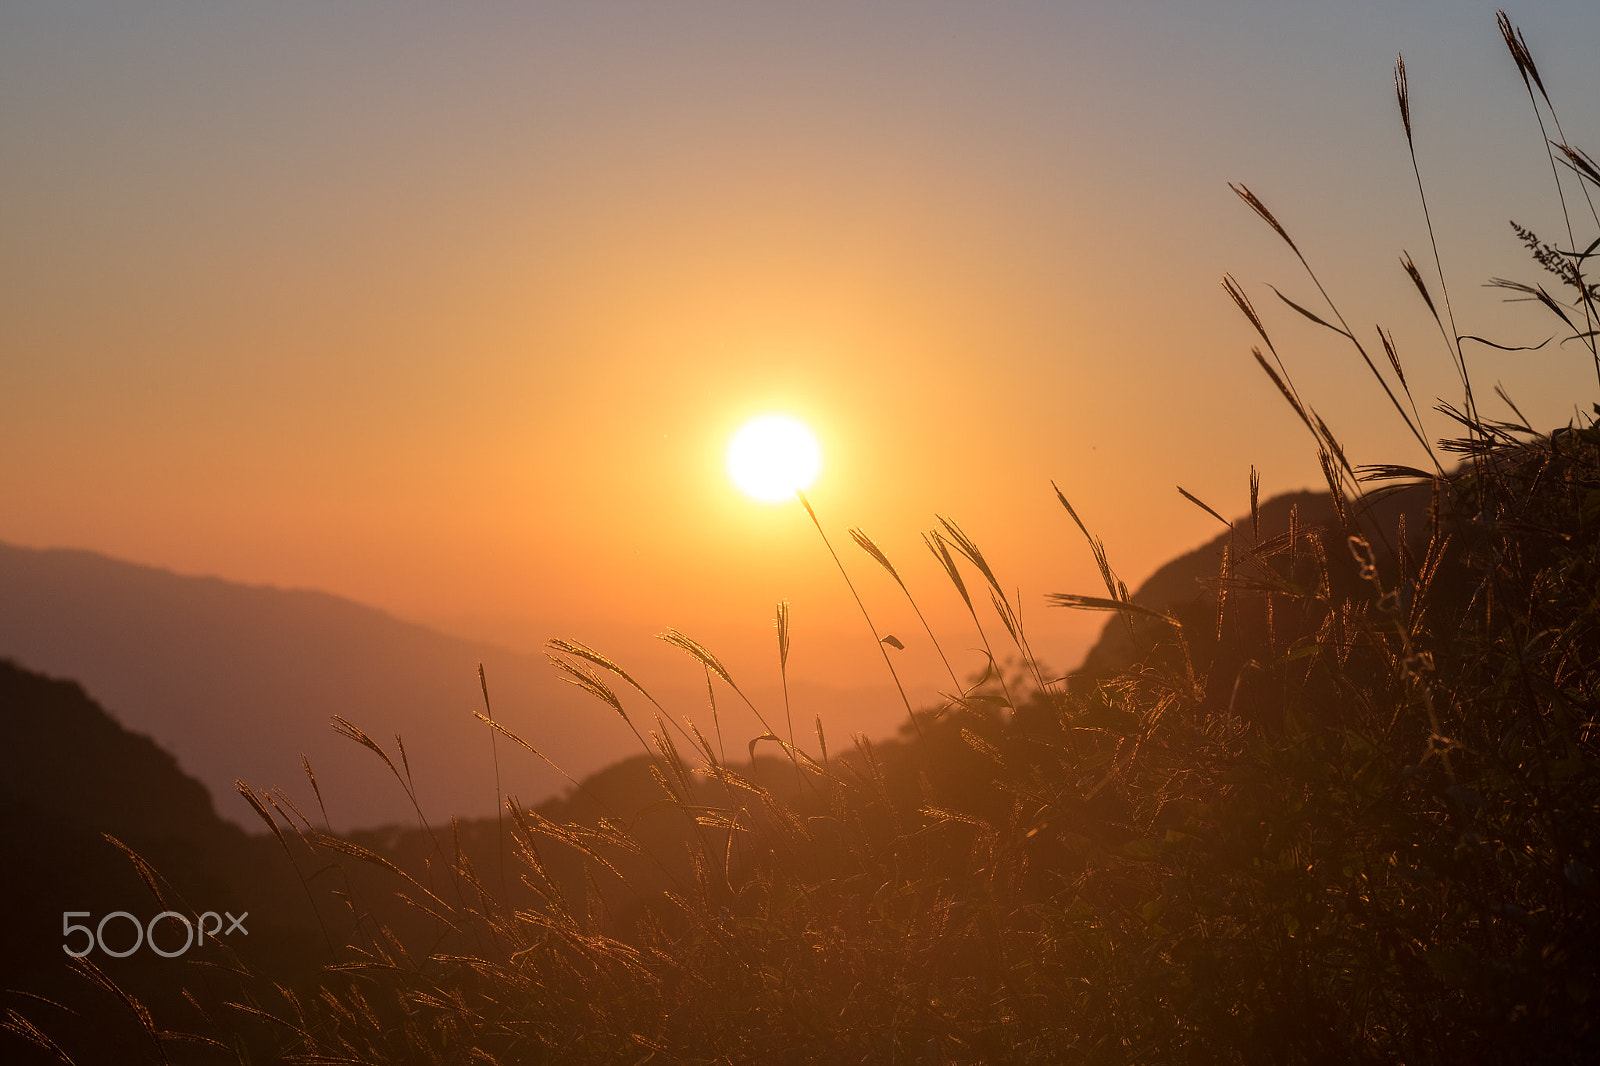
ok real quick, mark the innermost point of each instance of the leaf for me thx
(1100, 603)
(893, 642)
(1504, 347)
(757, 740)
(1192, 498)
(1391, 471)
(1313, 317)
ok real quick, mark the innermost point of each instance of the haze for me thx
(452, 310)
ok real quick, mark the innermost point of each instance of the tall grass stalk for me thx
(1010, 616)
(1576, 160)
(868, 545)
(499, 797)
(876, 637)
(941, 551)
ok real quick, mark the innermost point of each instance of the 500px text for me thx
(194, 933)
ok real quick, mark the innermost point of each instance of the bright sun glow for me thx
(773, 457)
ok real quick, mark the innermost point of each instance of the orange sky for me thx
(452, 311)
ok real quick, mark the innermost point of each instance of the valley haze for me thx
(236, 681)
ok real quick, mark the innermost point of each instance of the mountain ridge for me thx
(236, 681)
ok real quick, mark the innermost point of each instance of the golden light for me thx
(773, 457)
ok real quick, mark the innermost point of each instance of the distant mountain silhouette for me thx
(237, 681)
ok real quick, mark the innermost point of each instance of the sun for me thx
(773, 457)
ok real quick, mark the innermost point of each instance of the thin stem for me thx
(499, 800)
(876, 639)
(1453, 341)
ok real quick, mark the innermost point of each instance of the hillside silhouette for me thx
(71, 778)
(237, 681)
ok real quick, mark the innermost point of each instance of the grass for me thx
(1344, 808)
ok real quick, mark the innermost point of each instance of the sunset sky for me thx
(452, 309)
